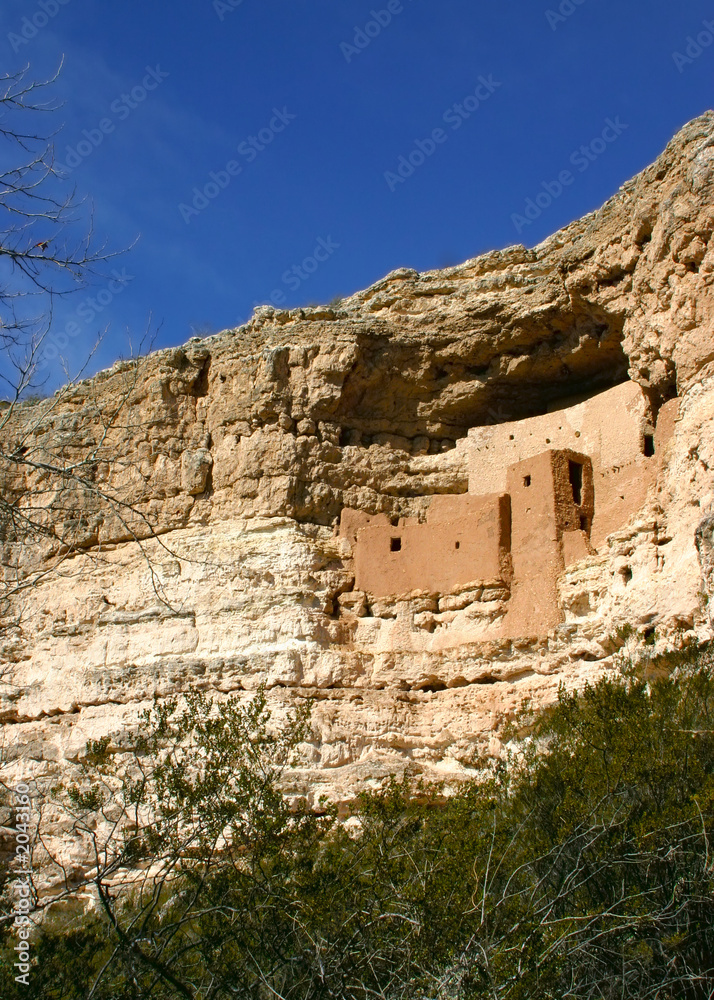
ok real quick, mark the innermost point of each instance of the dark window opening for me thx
(575, 474)
(458, 545)
(649, 445)
(395, 545)
(583, 524)
(394, 521)
(526, 480)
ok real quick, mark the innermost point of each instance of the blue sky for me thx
(338, 95)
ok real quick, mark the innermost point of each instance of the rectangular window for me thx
(396, 545)
(575, 473)
(526, 480)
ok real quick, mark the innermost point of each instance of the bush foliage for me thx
(580, 866)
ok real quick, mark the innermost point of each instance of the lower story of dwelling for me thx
(464, 538)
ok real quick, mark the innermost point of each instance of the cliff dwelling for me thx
(543, 493)
(414, 510)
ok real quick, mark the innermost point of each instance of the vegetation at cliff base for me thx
(581, 865)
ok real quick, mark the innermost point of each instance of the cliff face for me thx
(243, 450)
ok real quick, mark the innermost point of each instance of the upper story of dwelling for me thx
(613, 429)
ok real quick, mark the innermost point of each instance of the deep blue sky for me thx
(356, 114)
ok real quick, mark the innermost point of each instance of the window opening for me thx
(575, 474)
(526, 480)
(395, 545)
(649, 445)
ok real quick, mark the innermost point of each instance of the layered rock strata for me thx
(242, 451)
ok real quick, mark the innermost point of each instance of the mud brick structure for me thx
(550, 507)
(465, 538)
(615, 429)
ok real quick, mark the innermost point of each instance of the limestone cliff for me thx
(243, 450)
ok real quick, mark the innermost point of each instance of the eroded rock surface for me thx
(242, 451)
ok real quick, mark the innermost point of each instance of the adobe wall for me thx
(353, 521)
(465, 539)
(610, 428)
(543, 511)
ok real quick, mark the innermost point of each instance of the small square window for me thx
(395, 545)
(457, 545)
(526, 480)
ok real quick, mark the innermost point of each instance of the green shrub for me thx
(579, 866)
